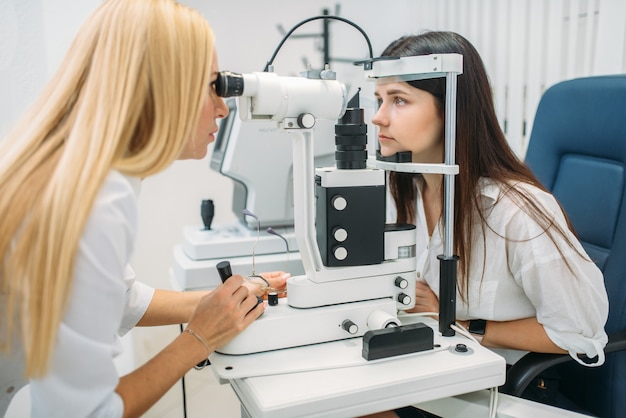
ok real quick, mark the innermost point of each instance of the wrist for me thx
(201, 348)
(476, 327)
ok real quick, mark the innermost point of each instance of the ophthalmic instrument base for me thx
(334, 380)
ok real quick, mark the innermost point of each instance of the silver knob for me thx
(404, 298)
(401, 282)
(350, 326)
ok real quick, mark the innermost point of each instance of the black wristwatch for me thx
(477, 326)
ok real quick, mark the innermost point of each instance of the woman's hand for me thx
(277, 281)
(219, 316)
(223, 313)
(425, 299)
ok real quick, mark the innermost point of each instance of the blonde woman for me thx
(134, 93)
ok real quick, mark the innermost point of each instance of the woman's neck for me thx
(431, 199)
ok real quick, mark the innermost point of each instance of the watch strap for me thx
(477, 326)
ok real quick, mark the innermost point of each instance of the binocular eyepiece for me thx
(268, 96)
(229, 84)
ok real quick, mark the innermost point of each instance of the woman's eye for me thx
(399, 101)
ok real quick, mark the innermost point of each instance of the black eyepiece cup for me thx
(229, 84)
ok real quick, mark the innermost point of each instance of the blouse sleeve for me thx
(138, 298)
(83, 377)
(567, 289)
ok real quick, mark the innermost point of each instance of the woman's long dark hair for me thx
(481, 147)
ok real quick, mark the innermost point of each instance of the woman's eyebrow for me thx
(392, 92)
(397, 91)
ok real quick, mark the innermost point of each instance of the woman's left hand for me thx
(425, 299)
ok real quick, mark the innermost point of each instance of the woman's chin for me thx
(387, 152)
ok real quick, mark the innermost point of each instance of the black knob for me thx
(272, 298)
(224, 270)
(461, 348)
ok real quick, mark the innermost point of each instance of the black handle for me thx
(224, 270)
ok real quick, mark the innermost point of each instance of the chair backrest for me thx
(577, 149)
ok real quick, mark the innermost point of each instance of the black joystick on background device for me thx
(224, 270)
(207, 211)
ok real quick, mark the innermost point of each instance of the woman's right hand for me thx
(225, 312)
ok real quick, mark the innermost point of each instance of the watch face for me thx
(477, 326)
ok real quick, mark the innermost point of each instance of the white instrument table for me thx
(476, 404)
(333, 380)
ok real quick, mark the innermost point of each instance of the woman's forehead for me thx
(387, 86)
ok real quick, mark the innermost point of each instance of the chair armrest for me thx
(617, 342)
(528, 367)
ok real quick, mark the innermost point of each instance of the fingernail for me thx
(285, 276)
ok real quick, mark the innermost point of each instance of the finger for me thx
(253, 288)
(422, 286)
(249, 301)
(422, 295)
(276, 275)
(255, 312)
(233, 283)
(236, 277)
(241, 293)
(272, 274)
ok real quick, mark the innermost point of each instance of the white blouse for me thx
(524, 273)
(105, 303)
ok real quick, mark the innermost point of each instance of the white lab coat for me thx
(105, 303)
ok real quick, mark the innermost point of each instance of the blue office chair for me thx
(577, 149)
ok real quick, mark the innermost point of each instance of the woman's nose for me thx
(222, 109)
(379, 117)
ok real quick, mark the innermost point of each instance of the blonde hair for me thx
(127, 97)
